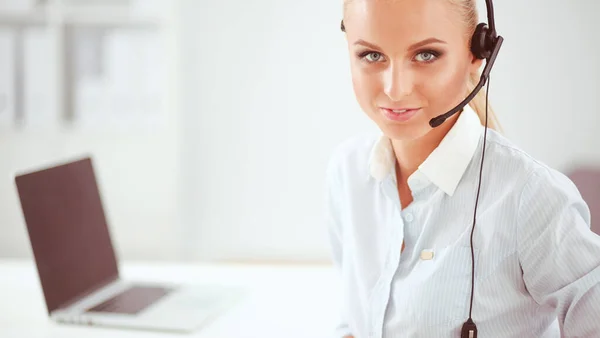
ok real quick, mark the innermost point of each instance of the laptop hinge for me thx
(88, 292)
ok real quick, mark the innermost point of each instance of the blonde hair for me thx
(467, 10)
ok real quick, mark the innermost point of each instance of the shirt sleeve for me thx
(559, 254)
(335, 236)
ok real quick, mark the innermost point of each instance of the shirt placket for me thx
(383, 287)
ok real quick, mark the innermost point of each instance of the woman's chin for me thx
(405, 131)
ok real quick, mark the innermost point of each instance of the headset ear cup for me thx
(478, 42)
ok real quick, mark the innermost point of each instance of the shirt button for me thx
(426, 255)
(408, 217)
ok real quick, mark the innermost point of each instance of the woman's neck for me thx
(411, 154)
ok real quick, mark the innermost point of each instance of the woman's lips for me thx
(399, 114)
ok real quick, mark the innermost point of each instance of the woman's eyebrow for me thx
(426, 42)
(413, 46)
(366, 44)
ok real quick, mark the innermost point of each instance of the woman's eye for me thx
(426, 56)
(373, 57)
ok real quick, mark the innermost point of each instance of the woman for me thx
(400, 204)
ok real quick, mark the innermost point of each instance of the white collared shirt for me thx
(537, 263)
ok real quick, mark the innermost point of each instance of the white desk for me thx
(284, 301)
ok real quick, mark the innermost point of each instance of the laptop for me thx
(77, 265)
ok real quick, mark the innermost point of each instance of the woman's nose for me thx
(398, 83)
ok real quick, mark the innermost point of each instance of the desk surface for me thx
(283, 301)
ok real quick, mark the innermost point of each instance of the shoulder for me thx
(541, 189)
(507, 156)
(351, 156)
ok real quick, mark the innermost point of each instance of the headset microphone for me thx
(484, 45)
(437, 121)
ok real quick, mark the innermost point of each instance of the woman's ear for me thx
(475, 64)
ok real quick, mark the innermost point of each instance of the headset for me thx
(485, 45)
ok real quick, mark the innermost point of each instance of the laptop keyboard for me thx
(132, 300)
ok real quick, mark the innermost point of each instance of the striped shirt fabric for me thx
(537, 263)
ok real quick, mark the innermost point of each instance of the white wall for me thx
(546, 84)
(137, 169)
(266, 81)
(267, 94)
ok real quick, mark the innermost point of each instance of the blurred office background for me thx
(211, 122)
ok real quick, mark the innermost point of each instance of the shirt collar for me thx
(446, 165)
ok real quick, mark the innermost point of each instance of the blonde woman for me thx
(402, 204)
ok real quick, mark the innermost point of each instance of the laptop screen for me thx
(67, 228)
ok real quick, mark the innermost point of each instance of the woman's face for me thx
(407, 54)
